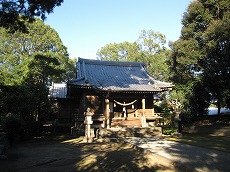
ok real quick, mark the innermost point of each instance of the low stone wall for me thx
(208, 129)
(209, 124)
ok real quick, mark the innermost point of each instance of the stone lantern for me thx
(88, 121)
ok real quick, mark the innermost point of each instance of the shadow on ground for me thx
(199, 159)
(65, 153)
(185, 157)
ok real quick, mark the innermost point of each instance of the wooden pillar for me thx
(143, 118)
(143, 106)
(107, 114)
(124, 111)
(153, 108)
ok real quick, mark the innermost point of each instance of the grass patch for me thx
(220, 143)
(168, 129)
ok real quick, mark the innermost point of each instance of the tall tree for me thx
(28, 62)
(10, 11)
(17, 47)
(151, 42)
(154, 53)
(149, 49)
(42, 67)
(125, 51)
(202, 52)
(217, 60)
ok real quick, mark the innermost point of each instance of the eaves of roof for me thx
(57, 90)
(116, 77)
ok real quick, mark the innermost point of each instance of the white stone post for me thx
(88, 121)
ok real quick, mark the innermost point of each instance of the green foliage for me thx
(42, 67)
(29, 102)
(17, 127)
(29, 62)
(148, 49)
(151, 42)
(13, 124)
(168, 117)
(217, 61)
(200, 99)
(18, 49)
(119, 52)
(10, 12)
(16, 100)
(70, 70)
(168, 129)
(200, 58)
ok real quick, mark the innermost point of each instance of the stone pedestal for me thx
(177, 122)
(88, 121)
(143, 121)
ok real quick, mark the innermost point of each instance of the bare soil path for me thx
(184, 156)
(68, 154)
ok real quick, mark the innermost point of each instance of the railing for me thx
(149, 113)
(95, 117)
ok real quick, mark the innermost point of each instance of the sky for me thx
(85, 26)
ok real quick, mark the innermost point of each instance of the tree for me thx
(148, 49)
(154, 53)
(70, 70)
(125, 51)
(17, 100)
(29, 62)
(17, 47)
(151, 42)
(202, 52)
(42, 67)
(11, 12)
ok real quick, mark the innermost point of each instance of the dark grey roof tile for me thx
(116, 76)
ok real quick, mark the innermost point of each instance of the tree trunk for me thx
(218, 105)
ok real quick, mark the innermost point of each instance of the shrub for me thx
(14, 126)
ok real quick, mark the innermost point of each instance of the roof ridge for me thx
(110, 63)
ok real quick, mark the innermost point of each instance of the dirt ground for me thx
(69, 154)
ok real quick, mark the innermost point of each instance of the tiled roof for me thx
(58, 90)
(116, 76)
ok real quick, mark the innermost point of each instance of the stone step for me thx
(130, 132)
(129, 122)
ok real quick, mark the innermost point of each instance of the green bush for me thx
(168, 129)
(13, 123)
(14, 126)
(187, 118)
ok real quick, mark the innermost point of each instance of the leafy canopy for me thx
(11, 10)
(17, 49)
(201, 56)
(149, 49)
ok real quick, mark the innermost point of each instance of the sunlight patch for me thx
(77, 140)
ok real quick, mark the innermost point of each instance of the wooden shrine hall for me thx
(116, 93)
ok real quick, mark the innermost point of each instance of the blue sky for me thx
(85, 26)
